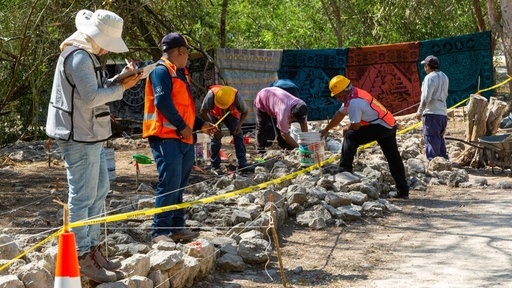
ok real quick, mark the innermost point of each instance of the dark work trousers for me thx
(262, 121)
(386, 138)
(434, 127)
(231, 123)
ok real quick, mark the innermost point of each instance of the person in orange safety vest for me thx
(169, 123)
(369, 121)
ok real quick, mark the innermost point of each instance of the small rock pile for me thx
(234, 231)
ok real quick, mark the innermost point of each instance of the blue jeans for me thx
(174, 160)
(88, 183)
(434, 127)
(215, 144)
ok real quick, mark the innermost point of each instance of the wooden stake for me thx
(48, 146)
(65, 216)
(137, 173)
(276, 240)
(453, 118)
(318, 162)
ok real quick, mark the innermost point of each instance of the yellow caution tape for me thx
(149, 212)
(31, 249)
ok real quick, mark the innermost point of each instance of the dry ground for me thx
(444, 237)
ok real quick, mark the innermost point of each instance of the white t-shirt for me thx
(360, 110)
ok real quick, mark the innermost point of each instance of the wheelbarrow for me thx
(497, 149)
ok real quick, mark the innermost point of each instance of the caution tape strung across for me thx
(153, 211)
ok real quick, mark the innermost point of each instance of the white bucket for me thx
(311, 148)
(110, 158)
(294, 131)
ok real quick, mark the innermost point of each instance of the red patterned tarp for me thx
(389, 73)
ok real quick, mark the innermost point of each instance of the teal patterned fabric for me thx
(466, 60)
(392, 73)
(311, 71)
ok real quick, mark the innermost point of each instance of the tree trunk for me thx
(222, 27)
(495, 112)
(501, 24)
(483, 119)
(480, 21)
(476, 127)
(477, 117)
(506, 15)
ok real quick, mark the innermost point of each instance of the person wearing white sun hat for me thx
(79, 121)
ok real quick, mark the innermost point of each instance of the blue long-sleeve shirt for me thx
(162, 88)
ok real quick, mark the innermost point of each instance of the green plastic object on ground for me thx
(141, 159)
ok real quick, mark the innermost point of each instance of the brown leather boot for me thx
(184, 235)
(99, 257)
(92, 270)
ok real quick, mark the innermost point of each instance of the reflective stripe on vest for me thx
(382, 112)
(217, 112)
(154, 123)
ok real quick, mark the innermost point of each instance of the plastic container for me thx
(110, 158)
(202, 148)
(311, 148)
(294, 131)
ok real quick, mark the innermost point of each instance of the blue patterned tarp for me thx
(465, 59)
(311, 71)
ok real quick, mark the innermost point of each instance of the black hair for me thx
(299, 111)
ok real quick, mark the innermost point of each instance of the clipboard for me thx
(144, 71)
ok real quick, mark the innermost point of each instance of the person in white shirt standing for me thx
(432, 109)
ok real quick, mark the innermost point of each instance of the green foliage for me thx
(31, 31)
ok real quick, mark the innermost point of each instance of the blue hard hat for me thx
(287, 85)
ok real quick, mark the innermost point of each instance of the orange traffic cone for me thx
(67, 272)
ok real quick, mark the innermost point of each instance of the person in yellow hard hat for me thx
(369, 121)
(218, 101)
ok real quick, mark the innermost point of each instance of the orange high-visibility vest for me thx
(216, 112)
(383, 113)
(154, 123)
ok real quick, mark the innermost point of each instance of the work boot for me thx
(92, 270)
(217, 171)
(184, 235)
(162, 238)
(99, 257)
(246, 169)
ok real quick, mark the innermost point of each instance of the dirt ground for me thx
(444, 237)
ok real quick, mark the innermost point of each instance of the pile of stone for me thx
(235, 231)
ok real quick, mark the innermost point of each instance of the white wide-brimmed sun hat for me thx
(104, 27)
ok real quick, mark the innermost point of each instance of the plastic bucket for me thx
(202, 147)
(294, 131)
(311, 148)
(110, 158)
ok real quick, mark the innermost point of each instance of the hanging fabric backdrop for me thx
(249, 71)
(311, 71)
(389, 73)
(466, 60)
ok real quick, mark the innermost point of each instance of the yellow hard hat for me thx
(224, 97)
(337, 84)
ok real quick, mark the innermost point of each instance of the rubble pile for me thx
(234, 231)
